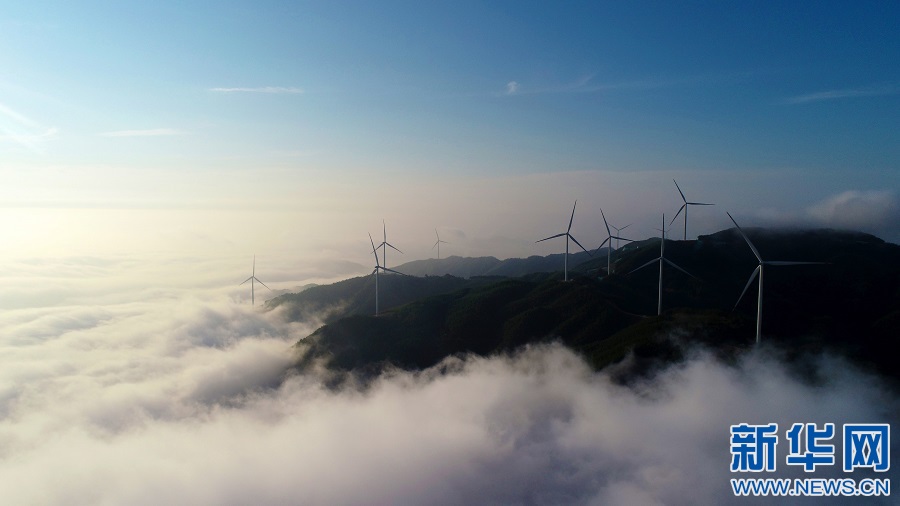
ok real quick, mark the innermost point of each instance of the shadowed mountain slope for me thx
(852, 304)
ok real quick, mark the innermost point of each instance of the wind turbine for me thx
(378, 267)
(384, 244)
(609, 237)
(759, 270)
(662, 258)
(252, 279)
(619, 231)
(684, 207)
(437, 244)
(568, 236)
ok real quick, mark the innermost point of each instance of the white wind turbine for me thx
(253, 279)
(759, 270)
(567, 236)
(609, 237)
(379, 267)
(662, 259)
(437, 244)
(684, 207)
(619, 231)
(384, 244)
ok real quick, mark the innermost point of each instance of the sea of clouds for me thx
(116, 388)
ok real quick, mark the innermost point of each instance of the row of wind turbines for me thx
(662, 260)
(381, 264)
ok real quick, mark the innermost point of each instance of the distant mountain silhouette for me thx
(466, 267)
(852, 304)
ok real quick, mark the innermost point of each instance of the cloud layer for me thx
(173, 396)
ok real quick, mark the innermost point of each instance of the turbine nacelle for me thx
(437, 244)
(568, 236)
(684, 207)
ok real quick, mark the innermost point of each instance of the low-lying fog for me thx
(120, 391)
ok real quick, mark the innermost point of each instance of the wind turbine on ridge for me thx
(437, 243)
(609, 237)
(684, 207)
(384, 244)
(619, 231)
(759, 270)
(378, 267)
(662, 259)
(252, 279)
(567, 236)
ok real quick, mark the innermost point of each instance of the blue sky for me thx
(772, 108)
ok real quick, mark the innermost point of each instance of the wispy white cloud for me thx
(19, 128)
(17, 116)
(872, 91)
(30, 138)
(152, 132)
(588, 83)
(873, 211)
(261, 89)
(866, 210)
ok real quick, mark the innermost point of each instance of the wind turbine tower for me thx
(662, 259)
(379, 267)
(609, 238)
(437, 244)
(759, 270)
(568, 236)
(253, 279)
(684, 207)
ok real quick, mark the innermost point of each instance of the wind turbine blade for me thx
(699, 204)
(605, 223)
(391, 245)
(651, 262)
(749, 282)
(780, 262)
(579, 244)
(374, 251)
(384, 230)
(601, 244)
(666, 260)
(435, 244)
(244, 281)
(254, 265)
(392, 270)
(552, 237)
(623, 228)
(621, 238)
(572, 217)
(752, 247)
(260, 282)
(436, 235)
(679, 191)
(676, 214)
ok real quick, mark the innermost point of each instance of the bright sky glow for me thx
(486, 120)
